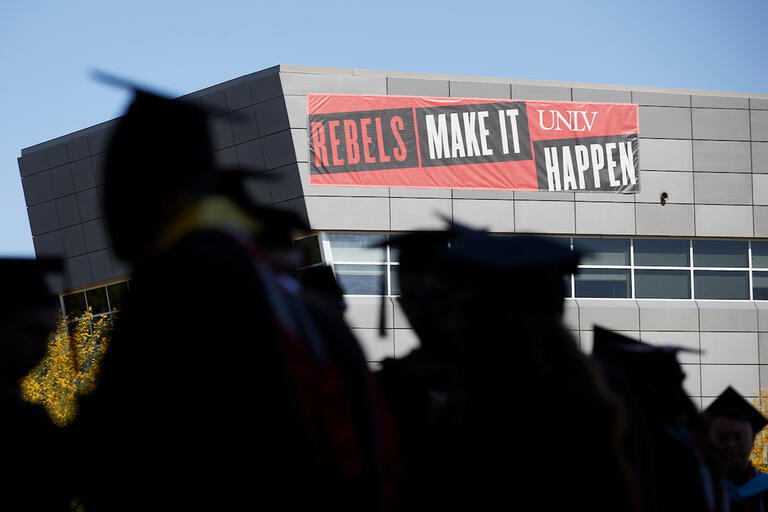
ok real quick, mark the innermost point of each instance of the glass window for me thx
(357, 247)
(308, 249)
(360, 279)
(760, 254)
(720, 253)
(721, 284)
(567, 286)
(117, 293)
(394, 280)
(74, 304)
(662, 284)
(760, 285)
(661, 253)
(97, 300)
(603, 283)
(603, 251)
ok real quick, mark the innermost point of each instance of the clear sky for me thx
(48, 48)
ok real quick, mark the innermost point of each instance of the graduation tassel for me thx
(383, 305)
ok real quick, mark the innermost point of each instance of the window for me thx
(100, 301)
(363, 263)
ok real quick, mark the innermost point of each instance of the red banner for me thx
(406, 141)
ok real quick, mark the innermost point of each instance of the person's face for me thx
(733, 440)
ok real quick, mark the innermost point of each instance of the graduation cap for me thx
(26, 282)
(730, 404)
(607, 342)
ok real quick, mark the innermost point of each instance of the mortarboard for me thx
(730, 404)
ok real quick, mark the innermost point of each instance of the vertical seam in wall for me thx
(701, 373)
(751, 165)
(693, 178)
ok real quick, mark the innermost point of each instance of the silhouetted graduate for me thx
(498, 396)
(219, 389)
(33, 455)
(734, 423)
(665, 438)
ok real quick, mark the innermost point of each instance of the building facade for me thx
(684, 261)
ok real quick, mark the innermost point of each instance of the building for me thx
(688, 268)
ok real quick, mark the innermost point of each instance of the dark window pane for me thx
(97, 300)
(356, 247)
(394, 281)
(308, 249)
(79, 327)
(567, 284)
(760, 285)
(760, 254)
(360, 279)
(74, 304)
(603, 251)
(721, 284)
(662, 284)
(719, 253)
(117, 293)
(603, 283)
(662, 253)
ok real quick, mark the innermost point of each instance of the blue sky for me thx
(48, 48)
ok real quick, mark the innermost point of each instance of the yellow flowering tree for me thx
(69, 368)
(760, 451)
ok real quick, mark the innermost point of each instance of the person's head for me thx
(159, 157)
(734, 423)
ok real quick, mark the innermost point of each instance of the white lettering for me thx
(457, 141)
(627, 161)
(541, 120)
(483, 133)
(568, 177)
(437, 135)
(512, 113)
(597, 162)
(589, 124)
(560, 117)
(611, 163)
(582, 163)
(469, 129)
(553, 172)
(503, 129)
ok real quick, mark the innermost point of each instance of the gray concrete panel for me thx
(720, 124)
(483, 194)
(83, 175)
(761, 221)
(420, 192)
(666, 315)
(121, 268)
(78, 271)
(660, 99)
(296, 107)
(762, 316)
(677, 185)
(273, 117)
(665, 123)
(49, 244)
(89, 202)
(722, 188)
(571, 315)
(244, 125)
(78, 148)
(74, 240)
(405, 341)
(278, 150)
(760, 157)
(61, 180)
(688, 340)
(490, 215)
(669, 220)
(98, 168)
(363, 312)
(601, 95)
(692, 382)
(300, 144)
(758, 103)
(297, 206)
(265, 88)
(722, 316)
(542, 195)
(410, 214)
(400, 318)
(98, 140)
(603, 197)
(96, 237)
(304, 83)
(353, 213)
(67, 210)
(32, 163)
(238, 96)
(101, 265)
(375, 348)
(545, 217)
(760, 188)
(225, 158)
(285, 183)
(250, 155)
(302, 179)
(43, 217)
(665, 155)
(716, 377)
(417, 87)
(221, 132)
(762, 347)
(540, 92)
(605, 218)
(726, 221)
(37, 188)
(721, 156)
(57, 155)
(759, 125)
(215, 103)
(480, 90)
(618, 315)
(729, 347)
(719, 102)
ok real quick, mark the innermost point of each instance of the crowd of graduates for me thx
(258, 396)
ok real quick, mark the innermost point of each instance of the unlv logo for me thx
(575, 120)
